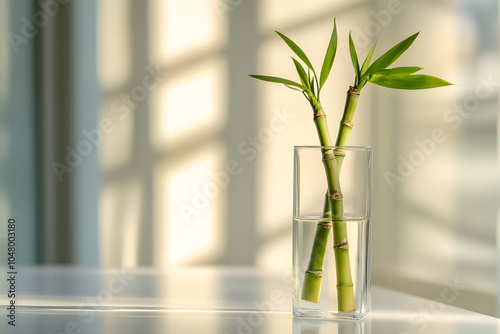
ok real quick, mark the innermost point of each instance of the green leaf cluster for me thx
(377, 72)
(396, 77)
(309, 84)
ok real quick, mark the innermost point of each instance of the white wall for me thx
(439, 223)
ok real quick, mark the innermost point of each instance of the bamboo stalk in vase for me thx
(333, 210)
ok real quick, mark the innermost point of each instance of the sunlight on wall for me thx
(189, 105)
(189, 217)
(121, 199)
(276, 13)
(121, 204)
(116, 148)
(186, 114)
(113, 43)
(189, 111)
(110, 249)
(430, 192)
(276, 252)
(185, 28)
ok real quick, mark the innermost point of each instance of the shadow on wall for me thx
(191, 167)
(173, 179)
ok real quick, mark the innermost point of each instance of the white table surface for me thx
(207, 300)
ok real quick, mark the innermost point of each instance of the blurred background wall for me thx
(131, 134)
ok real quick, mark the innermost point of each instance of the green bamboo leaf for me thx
(354, 58)
(397, 71)
(298, 51)
(277, 80)
(368, 59)
(417, 81)
(329, 56)
(312, 86)
(298, 90)
(302, 74)
(392, 55)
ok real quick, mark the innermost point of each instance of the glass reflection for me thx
(309, 326)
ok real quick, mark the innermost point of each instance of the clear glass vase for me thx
(331, 232)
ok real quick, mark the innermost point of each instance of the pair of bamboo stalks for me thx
(333, 211)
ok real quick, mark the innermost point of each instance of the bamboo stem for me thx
(311, 288)
(314, 274)
(346, 122)
(345, 286)
(347, 117)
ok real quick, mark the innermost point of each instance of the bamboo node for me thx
(339, 153)
(352, 91)
(328, 156)
(315, 273)
(349, 123)
(344, 285)
(325, 224)
(335, 196)
(342, 244)
(319, 114)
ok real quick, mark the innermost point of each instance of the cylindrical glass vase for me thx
(331, 232)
